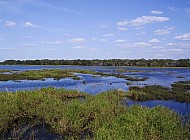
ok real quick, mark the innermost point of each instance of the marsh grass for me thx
(140, 123)
(3, 71)
(180, 76)
(57, 74)
(38, 75)
(76, 115)
(178, 92)
(108, 74)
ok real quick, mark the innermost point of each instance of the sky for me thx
(94, 29)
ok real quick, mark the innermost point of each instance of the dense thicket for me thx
(109, 62)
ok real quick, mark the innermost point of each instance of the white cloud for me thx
(154, 40)
(157, 47)
(135, 45)
(29, 45)
(175, 50)
(172, 50)
(93, 38)
(141, 33)
(172, 8)
(187, 10)
(57, 42)
(185, 36)
(10, 24)
(183, 45)
(77, 40)
(123, 23)
(7, 48)
(171, 44)
(79, 47)
(66, 34)
(108, 35)
(28, 37)
(120, 41)
(156, 12)
(141, 44)
(143, 20)
(122, 29)
(103, 40)
(93, 49)
(30, 24)
(103, 26)
(163, 31)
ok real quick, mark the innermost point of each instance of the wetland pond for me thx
(95, 84)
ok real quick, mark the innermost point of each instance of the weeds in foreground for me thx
(75, 115)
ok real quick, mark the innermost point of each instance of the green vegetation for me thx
(3, 71)
(180, 76)
(122, 76)
(57, 74)
(37, 75)
(178, 92)
(110, 62)
(181, 86)
(76, 115)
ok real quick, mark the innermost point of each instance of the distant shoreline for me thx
(98, 66)
(161, 63)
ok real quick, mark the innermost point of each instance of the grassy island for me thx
(57, 74)
(179, 92)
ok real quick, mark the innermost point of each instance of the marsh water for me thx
(94, 84)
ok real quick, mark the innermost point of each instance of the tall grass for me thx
(76, 115)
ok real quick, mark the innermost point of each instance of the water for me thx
(96, 84)
(181, 108)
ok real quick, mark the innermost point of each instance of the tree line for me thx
(106, 62)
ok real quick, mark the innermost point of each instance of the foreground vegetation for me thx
(75, 115)
(109, 62)
(180, 91)
(56, 74)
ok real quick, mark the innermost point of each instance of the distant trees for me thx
(109, 62)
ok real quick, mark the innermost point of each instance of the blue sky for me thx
(94, 29)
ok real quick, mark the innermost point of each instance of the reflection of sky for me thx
(92, 84)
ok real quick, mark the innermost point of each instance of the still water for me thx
(94, 84)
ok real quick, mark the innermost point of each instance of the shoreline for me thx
(99, 66)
